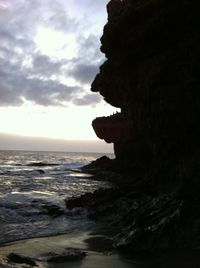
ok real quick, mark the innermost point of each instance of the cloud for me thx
(86, 66)
(44, 65)
(89, 99)
(49, 93)
(59, 19)
(27, 72)
(84, 73)
(90, 7)
(19, 85)
(16, 86)
(89, 47)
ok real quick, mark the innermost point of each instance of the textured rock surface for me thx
(67, 256)
(140, 220)
(152, 73)
(113, 129)
(16, 258)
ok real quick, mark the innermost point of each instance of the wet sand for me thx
(36, 247)
(98, 254)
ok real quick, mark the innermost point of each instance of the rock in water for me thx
(67, 256)
(16, 258)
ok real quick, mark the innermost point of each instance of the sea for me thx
(33, 190)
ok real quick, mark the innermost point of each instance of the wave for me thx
(33, 187)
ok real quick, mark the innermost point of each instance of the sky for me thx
(49, 55)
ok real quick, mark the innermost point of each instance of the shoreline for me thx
(35, 248)
(95, 247)
(96, 244)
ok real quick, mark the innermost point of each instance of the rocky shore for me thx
(151, 72)
(81, 249)
(138, 218)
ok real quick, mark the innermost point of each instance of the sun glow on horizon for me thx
(49, 56)
(70, 123)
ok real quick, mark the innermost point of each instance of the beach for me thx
(34, 221)
(37, 248)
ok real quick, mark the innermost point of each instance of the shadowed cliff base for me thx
(152, 74)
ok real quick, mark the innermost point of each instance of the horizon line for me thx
(50, 151)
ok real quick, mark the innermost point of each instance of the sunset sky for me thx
(49, 55)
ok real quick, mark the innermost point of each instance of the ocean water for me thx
(31, 183)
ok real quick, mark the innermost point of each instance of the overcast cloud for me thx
(35, 66)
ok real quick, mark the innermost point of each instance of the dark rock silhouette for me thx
(116, 128)
(152, 73)
(16, 258)
(69, 255)
(50, 209)
(101, 163)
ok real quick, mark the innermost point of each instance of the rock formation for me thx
(116, 128)
(152, 74)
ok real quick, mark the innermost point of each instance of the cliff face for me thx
(152, 74)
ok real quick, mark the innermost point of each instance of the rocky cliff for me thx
(152, 74)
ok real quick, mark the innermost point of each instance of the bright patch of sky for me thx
(55, 44)
(49, 55)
